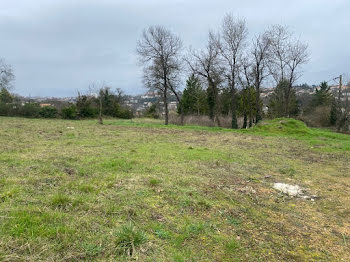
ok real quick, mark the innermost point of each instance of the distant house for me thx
(43, 105)
(172, 106)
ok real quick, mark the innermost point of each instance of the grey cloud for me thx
(58, 47)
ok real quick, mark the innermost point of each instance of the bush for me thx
(151, 112)
(30, 110)
(69, 112)
(124, 113)
(86, 107)
(318, 117)
(4, 109)
(48, 112)
(87, 112)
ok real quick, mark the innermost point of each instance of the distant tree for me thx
(5, 96)
(159, 52)
(6, 76)
(259, 67)
(278, 99)
(287, 55)
(194, 97)
(232, 42)
(100, 107)
(247, 105)
(322, 96)
(207, 65)
(86, 106)
(152, 112)
(225, 100)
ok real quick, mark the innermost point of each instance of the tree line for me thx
(106, 103)
(231, 68)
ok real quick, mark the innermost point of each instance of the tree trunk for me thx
(181, 114)
(234, 123)
(182, 117)
(217, 107)
(165, 100)
(257, 102)
(211, 102)
(245, 118)
(100, 120)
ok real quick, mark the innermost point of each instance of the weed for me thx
(154, 182)
(162, 233)
(232, 245)
(60, 200)
(129, 238)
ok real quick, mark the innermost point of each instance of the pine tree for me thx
(322, 96)
(194, 97)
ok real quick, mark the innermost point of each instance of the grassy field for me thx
(137, 190)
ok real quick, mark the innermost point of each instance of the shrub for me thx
(30, 110)
(124, 113)
(128, 238)
(4, 109)
(69, 112)
(151, 112)
(48, 112)
(86, 107)
(318, 117)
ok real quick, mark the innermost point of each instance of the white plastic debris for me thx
(70, 127)
(290, 190)
(294, 191)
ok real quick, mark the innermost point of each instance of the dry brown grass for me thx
(201, 120)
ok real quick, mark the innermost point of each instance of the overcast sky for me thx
(58, 47)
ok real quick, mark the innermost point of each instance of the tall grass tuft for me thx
(129, 238)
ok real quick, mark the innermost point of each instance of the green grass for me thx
(138, 190)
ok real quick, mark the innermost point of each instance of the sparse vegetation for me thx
(136, 189)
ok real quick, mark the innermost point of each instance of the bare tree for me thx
(279, 37)
(297, 56)
(234, 34)
(246, 79)
(259, 63)
(99, 92)
(6, 76)
(206, 65)
(159, 53)
(287, 55)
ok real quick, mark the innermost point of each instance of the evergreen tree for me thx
(194, 97)
(226, 101)
(247, 107)
(322, 96)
